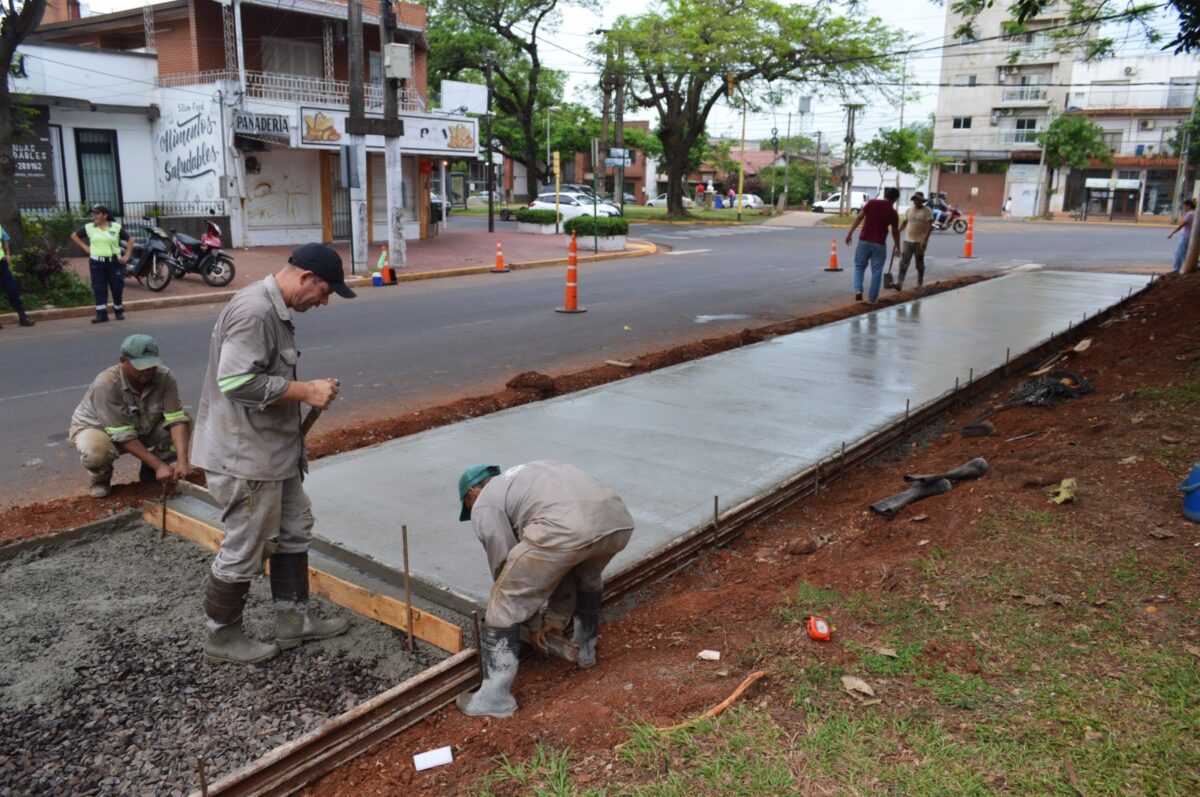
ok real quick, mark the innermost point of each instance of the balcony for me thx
(1030, 94)
(1117, 98)
(1033, 52)
(1020, 139)
(295, 88)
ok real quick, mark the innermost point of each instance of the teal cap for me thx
(141, 351)
(470, 477)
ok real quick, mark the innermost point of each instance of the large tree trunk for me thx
(10, 215)
(531, 166)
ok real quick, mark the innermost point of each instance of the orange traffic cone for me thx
(383, 259)
(833, 263)
(969, 243)
(571, 300)
(500, 267)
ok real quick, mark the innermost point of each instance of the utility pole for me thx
(357, 151)
(1186, 144)
(817, 173)
(848, 166)
(606, 87)
(491, 169)
(742, 161)
(619, 134)
(903, 91)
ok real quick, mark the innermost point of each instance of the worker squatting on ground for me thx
(249, 442)
(549, 530)
(132, 408)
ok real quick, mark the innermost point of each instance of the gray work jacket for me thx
(240, 430)
(111, 404)
(548, 504)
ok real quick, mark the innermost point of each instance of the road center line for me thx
(44, 392)
(687, 252)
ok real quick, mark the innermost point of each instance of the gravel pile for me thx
(103, 689)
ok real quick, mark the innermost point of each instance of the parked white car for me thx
(834, 203)
(752, 201)
(660, 201)
(479, 199)
(572, 205)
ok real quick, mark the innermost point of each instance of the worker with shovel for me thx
(549, 530)
(249, 441)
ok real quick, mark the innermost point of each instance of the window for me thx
(1027, 124)
(964, 80)
(288, 57)
(967, 40)
(376, 69)
(99, 167)
(962, 122)
(1112, 139)
(1129, 174)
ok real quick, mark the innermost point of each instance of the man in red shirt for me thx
(875, 217)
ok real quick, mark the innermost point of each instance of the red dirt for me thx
(47, 517)
(648, 669)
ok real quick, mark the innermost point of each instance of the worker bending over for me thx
(549, 530)
(132, 408)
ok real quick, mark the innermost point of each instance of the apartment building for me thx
(245, 111)
(996, 96)
(1139, 102)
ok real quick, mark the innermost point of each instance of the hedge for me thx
(536, 216)
(600, 226)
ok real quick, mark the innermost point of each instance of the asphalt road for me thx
(400, 348)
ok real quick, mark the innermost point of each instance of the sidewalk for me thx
(455, 251)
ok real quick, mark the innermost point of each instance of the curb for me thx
(634, 248)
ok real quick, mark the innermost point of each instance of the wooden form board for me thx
(434, 630)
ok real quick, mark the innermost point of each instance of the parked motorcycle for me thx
(203, 256)
(951, 220)
(151, 259)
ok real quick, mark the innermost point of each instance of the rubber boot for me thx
(101, 485)
(100, 317)
(226, 640)
(494, 698)
(888, 507)
(968, 470)
(289, 588)
(587, 627)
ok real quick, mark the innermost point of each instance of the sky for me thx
(566, 49)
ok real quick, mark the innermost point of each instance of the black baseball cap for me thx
(326, 263)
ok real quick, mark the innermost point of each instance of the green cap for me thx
(141, 351)
(470, 477)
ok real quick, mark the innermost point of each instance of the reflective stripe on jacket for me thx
(113, 405)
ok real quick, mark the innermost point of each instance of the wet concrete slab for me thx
(735, 425)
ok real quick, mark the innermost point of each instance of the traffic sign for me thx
(617, 162)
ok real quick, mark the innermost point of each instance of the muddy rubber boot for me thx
(587, 627)
(226, 640)
(289, 588)
(101, 485)
(494, 697)
(888, 507)
(968, 470)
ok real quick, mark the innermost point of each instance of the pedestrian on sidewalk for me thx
(917, 227)
(1006, 211)
(9, 283)
(549, 530)
(877, 216)
(249, 442)
(105, 260)
(133, 408)
(1189, 205)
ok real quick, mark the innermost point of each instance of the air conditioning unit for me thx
(1147, 124)
(1007, 111)
(1129, 70)
(995, 119)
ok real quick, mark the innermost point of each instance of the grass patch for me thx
(838, 220)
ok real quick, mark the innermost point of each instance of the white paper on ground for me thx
(709, 655)
(433, 758)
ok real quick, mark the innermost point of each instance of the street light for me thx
(548, 112)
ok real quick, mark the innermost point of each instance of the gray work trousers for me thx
(254, 513)
(907, 251)
(97, 451)
(532, 575)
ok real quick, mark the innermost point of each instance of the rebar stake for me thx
(407, 587)
(478, 640)
(843, 456)
(907, 402)
(203, 777)
(970, 376)
(716, 523)
(817, 486)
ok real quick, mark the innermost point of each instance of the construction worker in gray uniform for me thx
(132, 408)
(248, 440)
(549, 530)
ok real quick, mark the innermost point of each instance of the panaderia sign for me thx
(423, 135)
(262, 124)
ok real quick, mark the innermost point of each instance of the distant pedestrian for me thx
(1189, 205)
(732, 195)
(9, 284)
(105, 239)
(876, 217)
(917, 227)
(1006, 211)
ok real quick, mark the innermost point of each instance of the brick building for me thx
(247, 110)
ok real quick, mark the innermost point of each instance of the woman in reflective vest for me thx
(11, 289)
(105, 260)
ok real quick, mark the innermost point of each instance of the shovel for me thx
(888, 282)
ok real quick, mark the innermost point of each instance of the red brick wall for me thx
(176, 48)
(60, 11)
(210, 35)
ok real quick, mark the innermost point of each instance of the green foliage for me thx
(798, 178)
(893, 149)
(55, 228)
(61, 289)
(1191, 128)
(796, 145)
(720, 154)
(537, 216)
(1073, 140)
(600, 226)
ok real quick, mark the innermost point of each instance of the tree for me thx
(719, 154)
(689, 54)
(793, 144)
(1070, 140)
(474, 34)
(892, 149)
(16, 22)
